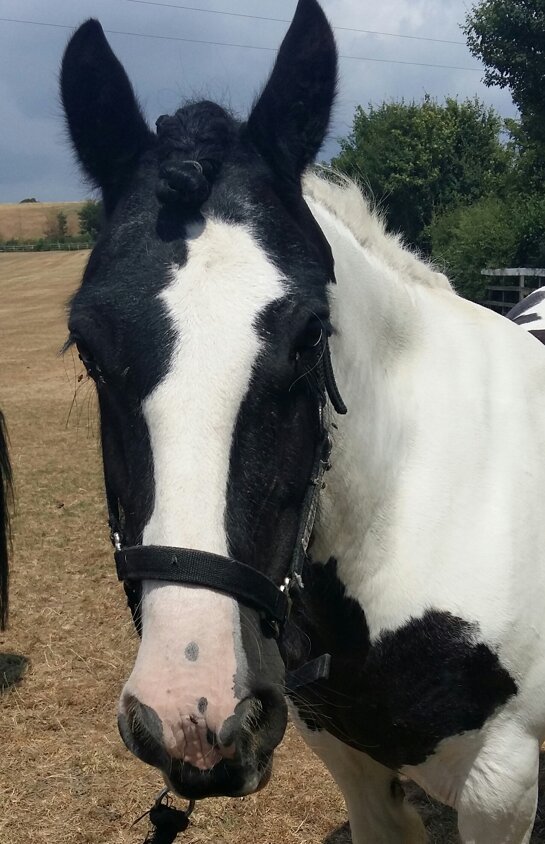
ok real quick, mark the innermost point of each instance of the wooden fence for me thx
(517, 283)
(43, 247)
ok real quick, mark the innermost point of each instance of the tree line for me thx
(464, 187)
(56, 232)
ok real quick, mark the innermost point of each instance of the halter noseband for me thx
(223, 574)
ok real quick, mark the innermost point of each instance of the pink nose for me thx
(192, 737)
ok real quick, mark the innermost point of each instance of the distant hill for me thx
(32, 220)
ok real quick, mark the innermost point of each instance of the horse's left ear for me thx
(289, 122)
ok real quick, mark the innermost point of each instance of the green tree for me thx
(508, 37)
(528, 153)
(421, 159)
(62, 225)
(528, 214)
(466, 240)
(494, 232)
(56, 227)
(90, 219)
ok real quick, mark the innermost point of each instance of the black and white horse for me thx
(5, 495)
(207, 315)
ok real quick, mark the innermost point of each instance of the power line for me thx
(239, 46)
(286, 20)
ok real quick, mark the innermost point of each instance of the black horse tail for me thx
(6, 494)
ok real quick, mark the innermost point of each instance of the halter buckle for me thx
(286, 585)
(326, 451)
(289, 581)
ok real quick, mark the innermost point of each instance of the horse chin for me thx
(224, 780)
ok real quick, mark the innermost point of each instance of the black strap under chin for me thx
(200, 568)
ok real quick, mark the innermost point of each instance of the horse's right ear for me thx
(105, 122)
(289, 121)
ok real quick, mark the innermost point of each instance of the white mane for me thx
(343, 198)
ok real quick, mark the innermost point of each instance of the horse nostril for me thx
(142, 731)
(237, 727)
(271, 716)
(262, 716)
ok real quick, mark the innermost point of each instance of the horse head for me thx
(203, 319)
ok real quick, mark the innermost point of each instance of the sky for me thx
(35, 155)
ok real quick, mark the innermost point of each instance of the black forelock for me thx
(193, 144)
(204, 152)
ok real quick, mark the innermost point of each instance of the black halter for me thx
(223, 574)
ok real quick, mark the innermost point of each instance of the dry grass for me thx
(31, 220)
(65, 776)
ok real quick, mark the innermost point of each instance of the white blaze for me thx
(213, 302)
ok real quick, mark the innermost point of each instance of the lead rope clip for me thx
(167, 821)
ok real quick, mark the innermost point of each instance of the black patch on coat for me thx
(398, 697)
(118, 320)
(202, 705)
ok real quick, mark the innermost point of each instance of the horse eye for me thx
(93, 369)
(312, 336)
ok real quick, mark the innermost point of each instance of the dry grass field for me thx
(31, 220)
(65, 776)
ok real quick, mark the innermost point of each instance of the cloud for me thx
(35, 158)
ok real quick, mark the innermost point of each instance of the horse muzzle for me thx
(231, 761)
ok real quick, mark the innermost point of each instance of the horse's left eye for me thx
(311, 338)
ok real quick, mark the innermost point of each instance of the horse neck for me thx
(374, 314)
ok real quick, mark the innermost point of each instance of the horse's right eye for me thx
(93, 369)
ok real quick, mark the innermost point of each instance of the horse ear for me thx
(105, 123)
(290, 119)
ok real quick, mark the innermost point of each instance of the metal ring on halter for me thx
(163, 796)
